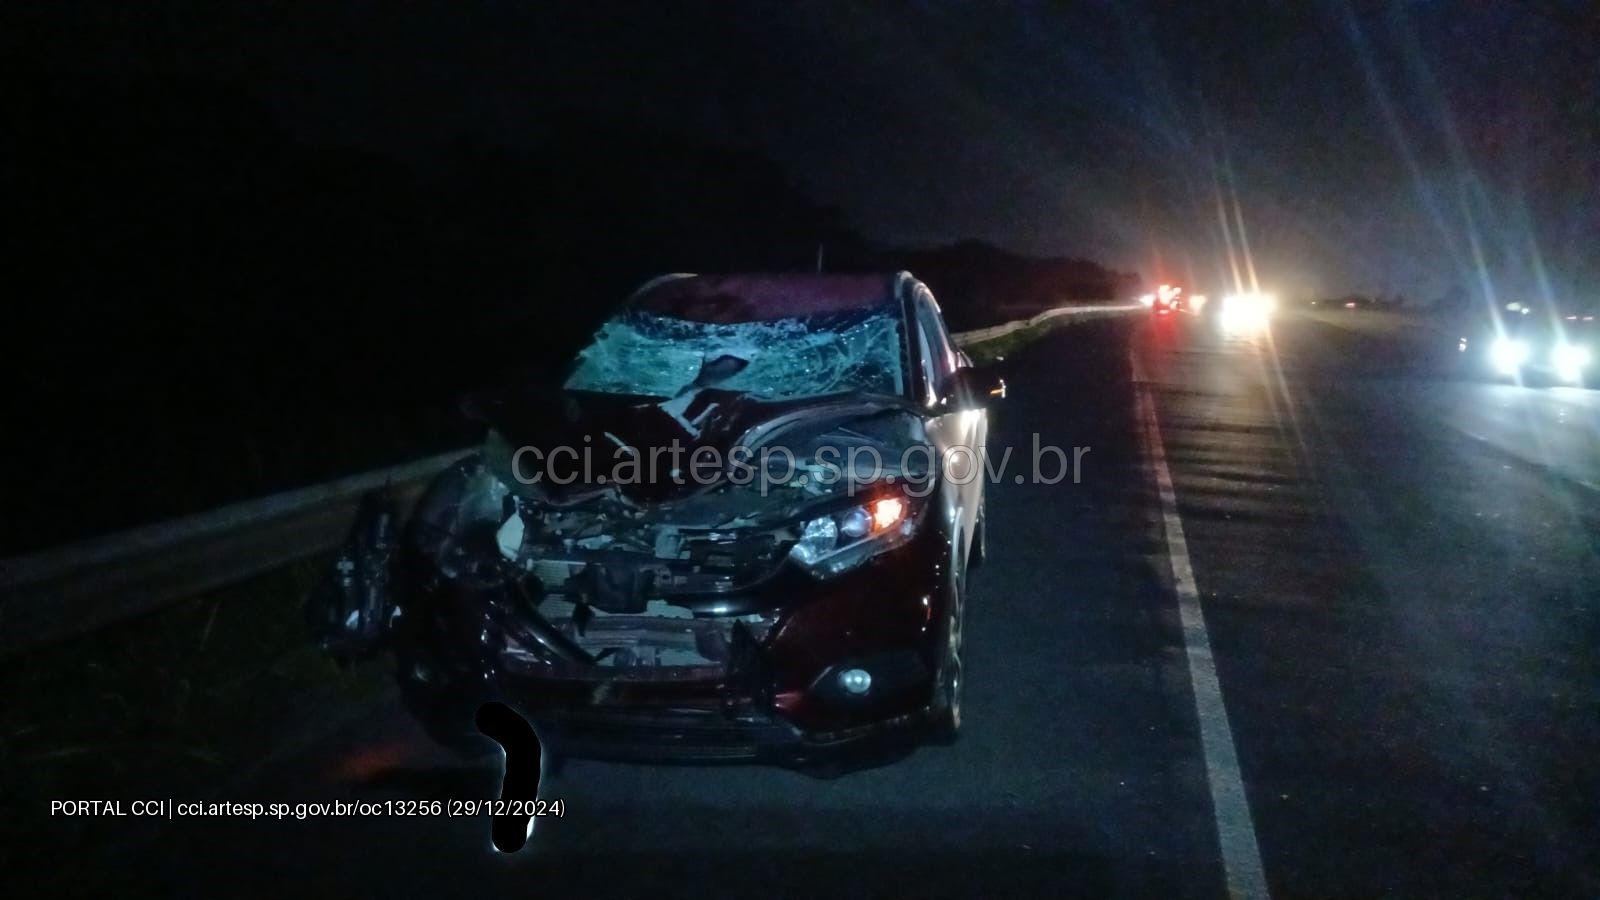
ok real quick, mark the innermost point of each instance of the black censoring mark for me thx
(519, 787)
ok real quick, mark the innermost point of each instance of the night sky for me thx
(1374, 147)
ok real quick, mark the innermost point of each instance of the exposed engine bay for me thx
(656, 589)
(662, 641)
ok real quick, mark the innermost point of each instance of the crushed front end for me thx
(709, 627)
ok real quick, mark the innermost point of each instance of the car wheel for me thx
(949, 685)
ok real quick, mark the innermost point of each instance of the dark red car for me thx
(739, 529)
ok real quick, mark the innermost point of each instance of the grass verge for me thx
(165, 706)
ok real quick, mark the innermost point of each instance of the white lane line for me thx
(1236, 832)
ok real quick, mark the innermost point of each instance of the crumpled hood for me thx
(564, 447)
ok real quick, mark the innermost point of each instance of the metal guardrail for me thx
(978, 336)
(80, 587)
(74, 589)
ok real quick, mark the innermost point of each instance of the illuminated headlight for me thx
(1508, 355)
(842, 540)
(1246, 313)
(1570, 361)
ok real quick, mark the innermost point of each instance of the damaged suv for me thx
(739, 528)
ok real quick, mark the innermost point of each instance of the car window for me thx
(639, 352)
(932, 378)
(938, 353)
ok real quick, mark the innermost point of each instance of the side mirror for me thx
(973, 388)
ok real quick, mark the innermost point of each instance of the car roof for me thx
(758, 297)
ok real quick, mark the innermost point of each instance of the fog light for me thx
(856, 681)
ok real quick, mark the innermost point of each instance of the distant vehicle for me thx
(798, 603)
(1246, 313)
(1165, 301)
(1353, 301)
(1533, 343)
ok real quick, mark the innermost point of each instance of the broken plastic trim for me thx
(351, 610)
(524, 623)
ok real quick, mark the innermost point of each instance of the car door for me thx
(956, 425)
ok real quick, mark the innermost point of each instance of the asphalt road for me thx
(1397, 580)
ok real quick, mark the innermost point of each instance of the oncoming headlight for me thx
(1508, 355)
(844, 539)
(1569, 361)
(1247, 313)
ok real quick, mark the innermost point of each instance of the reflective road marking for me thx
(1236, 833)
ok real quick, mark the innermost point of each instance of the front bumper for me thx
(778, 698)
(705, 736)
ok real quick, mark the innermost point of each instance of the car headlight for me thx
(1569, 355)
(1508, 354)
(1570, 360)
(844, 539)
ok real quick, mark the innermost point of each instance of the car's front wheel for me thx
(949, 683)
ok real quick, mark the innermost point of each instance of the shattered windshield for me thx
(645, 353)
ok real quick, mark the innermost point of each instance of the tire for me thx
(949, 681)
